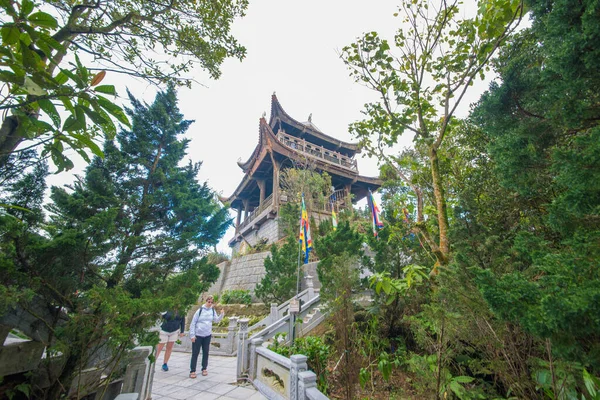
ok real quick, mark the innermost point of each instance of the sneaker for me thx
(165, 367)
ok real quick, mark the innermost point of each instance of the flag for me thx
(405, 215)
(332, 200)
(333, 218)
(305, 239)
(377, 224)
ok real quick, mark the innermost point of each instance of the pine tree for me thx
(125, 242)
(281, 269)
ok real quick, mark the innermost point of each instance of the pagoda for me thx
(282, 143)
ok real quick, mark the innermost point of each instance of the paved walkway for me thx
(219, 384)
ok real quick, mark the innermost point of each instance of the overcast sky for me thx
(292, 49)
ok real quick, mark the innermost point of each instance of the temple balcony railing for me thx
(321, 152)
(339, 200)
(267, 203)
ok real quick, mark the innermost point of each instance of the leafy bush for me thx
(253, 319)
(217, 257)
(236, 297)
(313, 348)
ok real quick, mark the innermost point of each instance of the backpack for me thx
(200, 312)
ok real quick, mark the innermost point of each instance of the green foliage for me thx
(542, 125)
(314, 349)
(374, 354)
(421, 78)
(316, 186)
(58, 103)
(281, 273)
(37, 85)
(338, 269)
(413, 275)
(124, 243)
(252, 319)
(217, 257)
(236, 296)
(345, 241)
(513, 314)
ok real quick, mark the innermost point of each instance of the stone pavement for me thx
(219, 384)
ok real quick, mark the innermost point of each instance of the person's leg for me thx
(205, 349)
(159, 348)
(168, 351)
(195, 352)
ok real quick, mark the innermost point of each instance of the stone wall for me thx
(268, 233)
(240, 273)
(246, 271)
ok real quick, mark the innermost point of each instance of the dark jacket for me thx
(173, 321)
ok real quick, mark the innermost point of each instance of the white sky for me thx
(293, 49)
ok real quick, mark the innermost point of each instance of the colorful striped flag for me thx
(333, 201)
(305, 239)
(377, 224)
(333, 218)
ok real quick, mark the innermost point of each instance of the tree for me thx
(124, 243)
(281, 273)
(338, 272)
(305, 180)
(280, 281)
(41, 49)
(541, 119)
(441, 54)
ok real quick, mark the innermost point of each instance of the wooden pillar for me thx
(239, 217)
(347, 197)
(246, 204)
(276, 167)
(261, 183)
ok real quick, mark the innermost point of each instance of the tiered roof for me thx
(272, 147)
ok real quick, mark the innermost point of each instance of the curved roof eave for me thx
(277, 111)
(268, 139)
(245, 166)
(264, 130)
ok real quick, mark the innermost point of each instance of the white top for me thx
(202, 322)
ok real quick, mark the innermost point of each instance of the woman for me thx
(201, 333)
(173, 325)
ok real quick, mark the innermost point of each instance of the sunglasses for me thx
(209, 301)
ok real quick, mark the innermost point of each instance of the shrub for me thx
(236, 297)
(312, 347)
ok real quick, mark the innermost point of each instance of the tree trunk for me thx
(440, 203)
(9, 139)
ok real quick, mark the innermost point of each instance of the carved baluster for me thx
(242, 358)
(298, 365)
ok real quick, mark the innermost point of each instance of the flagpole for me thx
(298, 272)
(293, 315)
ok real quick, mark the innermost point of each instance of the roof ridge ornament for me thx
(310, 117)
(264, 115)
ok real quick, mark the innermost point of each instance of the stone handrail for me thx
(281, 378)
(282, 325)
(250, 351)
(277, 311)
(23, 355)
(222, 343)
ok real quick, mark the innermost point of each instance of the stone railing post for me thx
(231, 330)
(291, 333)
(274, 314)
(298, 365)
(242, 355)
(306, 380)
(254, 343)
(139, 373)
(310, 286)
